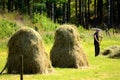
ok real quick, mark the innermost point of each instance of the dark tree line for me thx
(80, 12)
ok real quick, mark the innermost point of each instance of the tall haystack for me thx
(27, 42)
(67, 51)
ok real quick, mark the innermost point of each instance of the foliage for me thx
(57, 1)
(7, 28)
(3, 46)
(48, 38)
(46, 23)
(45, 27)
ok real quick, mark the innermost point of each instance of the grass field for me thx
(100, 68)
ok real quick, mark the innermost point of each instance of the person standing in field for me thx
(97, 40)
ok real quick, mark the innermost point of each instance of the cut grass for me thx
(101, 70)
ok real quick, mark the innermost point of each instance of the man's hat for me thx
(96, 29)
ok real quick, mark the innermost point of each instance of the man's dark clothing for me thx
(96, 44)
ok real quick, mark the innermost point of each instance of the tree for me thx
(88, 11)
(76, 11)
(64, 13)
(99, 11)
(53, 12)
(80, 12)
(68, 11)
(10, 5)
(118, 5)
(110, 13)
(95, 13)
(3, 3)
(86, 15)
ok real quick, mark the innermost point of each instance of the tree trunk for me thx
(88, 11)
(76, 12)
(95, 14)
(80, 11)
(3, 5)
(10, 5)
(68, 11)
(48, 5)
(86, 15)
(99, 11)
(118, 7)
(53, 12)
(110, 13)
(27, 4)
(64, 13)
(31, 8)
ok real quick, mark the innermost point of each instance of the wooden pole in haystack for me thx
(21, 71)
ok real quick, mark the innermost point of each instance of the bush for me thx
(48, 38)
(7, 28)
(45, 27)
(46, 24)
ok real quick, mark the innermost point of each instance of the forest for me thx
(88, 13)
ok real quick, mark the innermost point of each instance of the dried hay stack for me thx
(67, 51)
(112, 51)
(27, 42)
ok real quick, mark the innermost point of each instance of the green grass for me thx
(100, 68)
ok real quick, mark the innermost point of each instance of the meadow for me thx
(100, 67)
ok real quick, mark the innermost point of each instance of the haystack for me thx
(67, 51)
(112, 51)
(27, 42)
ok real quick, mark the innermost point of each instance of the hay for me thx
(67, 51)
(27, 42)
(112, 51)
